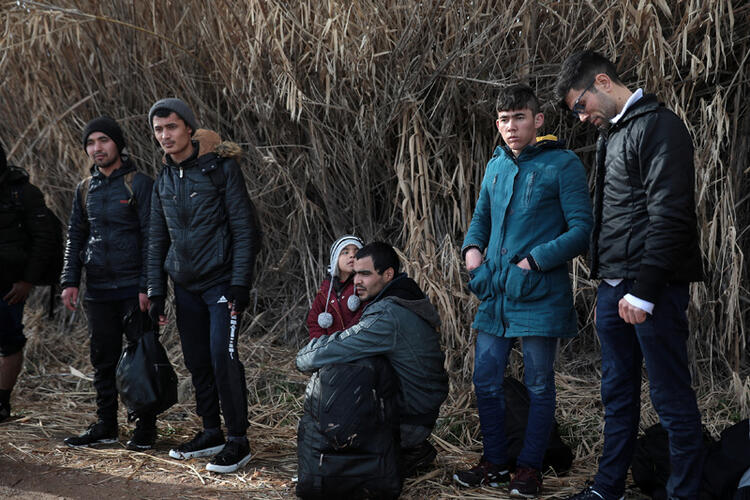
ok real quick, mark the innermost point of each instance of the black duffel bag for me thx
(145, 378)
(348, 437)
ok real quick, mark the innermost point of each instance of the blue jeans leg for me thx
(490, 359)
(539, 376)
(489, 368)
(661, 341)
(620, 390)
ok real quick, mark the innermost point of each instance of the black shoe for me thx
(4, 411)
(144, 435)
(413, 459)
(100, 432)
(483, 474)
(589, 493)
(236, 454)
(204, 444)
(526, 483)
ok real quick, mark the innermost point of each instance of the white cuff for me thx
(640, 303)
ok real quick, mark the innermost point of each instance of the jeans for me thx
(539, 376)
(661, 342)
(106, 326)
(210, 352)
(12, 338)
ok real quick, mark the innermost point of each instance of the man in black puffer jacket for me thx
(108, 235)
(205, 235)
(26, 245)
(645, 250)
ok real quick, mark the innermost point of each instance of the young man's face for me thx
(367, 281)
(518, 128)
(173, 135)
(346, 260)
(102, 150)
(592, 104)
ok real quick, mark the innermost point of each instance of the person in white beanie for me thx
(336, 306)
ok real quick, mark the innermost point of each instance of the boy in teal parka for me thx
(532, 217)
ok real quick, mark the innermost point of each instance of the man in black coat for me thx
(644, 247)
(205, 235)
(108, 235)
(26, 245)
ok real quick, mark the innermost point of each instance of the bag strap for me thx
(215, 171)
(83, 191)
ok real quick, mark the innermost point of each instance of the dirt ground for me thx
(35, 464)
(55, 399)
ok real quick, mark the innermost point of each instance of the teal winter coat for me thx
(537, 204)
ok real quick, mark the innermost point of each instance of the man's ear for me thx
(538, 120)
(603, 82)
(388, 274)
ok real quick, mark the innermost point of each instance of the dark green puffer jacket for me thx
(200, 236)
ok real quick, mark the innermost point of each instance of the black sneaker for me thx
(526, 483)
(417, 457)
(144, 435)
(98, 433)
(204, 444)
(483, 474)
(589, 493)
(236, 454)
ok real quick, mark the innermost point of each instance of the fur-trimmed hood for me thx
(207, 141)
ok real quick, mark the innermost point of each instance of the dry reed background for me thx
(377, 117)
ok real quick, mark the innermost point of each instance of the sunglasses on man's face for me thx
(579, 108)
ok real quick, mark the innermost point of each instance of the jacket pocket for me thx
(525, 285)
(480, 282)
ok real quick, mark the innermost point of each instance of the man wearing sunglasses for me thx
(644, 248)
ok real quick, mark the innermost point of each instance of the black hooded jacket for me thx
(645, 225)
(109, 237)
(27, 241)
(200, 235)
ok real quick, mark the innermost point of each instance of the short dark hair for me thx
(165, 112)
(579, 70)
(383, 256)
(517, 96)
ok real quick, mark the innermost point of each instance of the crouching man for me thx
(398, 326)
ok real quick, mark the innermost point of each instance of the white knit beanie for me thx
(337, 247)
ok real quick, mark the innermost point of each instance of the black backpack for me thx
(50, 275)
(725, 462)
(348, 437)
(54, 265)
(558, 456)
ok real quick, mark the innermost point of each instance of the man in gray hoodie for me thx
(398, 323)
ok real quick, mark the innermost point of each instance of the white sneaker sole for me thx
(224, 469)
(205, 452)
